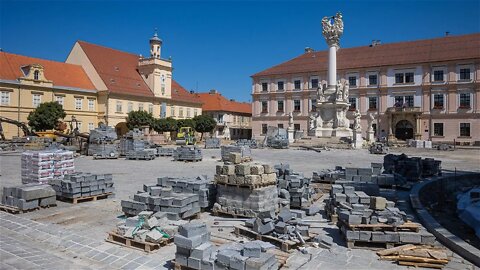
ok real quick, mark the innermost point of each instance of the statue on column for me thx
(320, 95)
(339, 94)
(346, 87)
(356, 121)
(371, 118)
(332, 31)
(312, 121)
(290, 120)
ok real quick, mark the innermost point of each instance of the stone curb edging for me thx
(450, 240)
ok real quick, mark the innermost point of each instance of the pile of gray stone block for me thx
(29, 196)
(288, 225)
(328, 175)
(195, 251)
(177, 197)
(212, 143)
(356, 208)
(245, 189)
(187, 153)
(243, 150)
(252, 144)
(165, 151)
(370, 175)
(293, 187)
(148, 227)
(412, 168)
(132, 141)
(276, 138)
(79, 184)
(101, 143)
(378, 148)
(144, 154)
(103, 150)
(42, 166)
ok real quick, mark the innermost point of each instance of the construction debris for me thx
(195, 251)
(252, 144)
(412, 168)
(148, 227)
(187, 153)
(420, 143)
(42, 166)
(244, 152)
(276, 138)
(293, 188)
(445, 147)
(212, 143)
(378, 148)
(179, 198)
(417, 256)
(79, 184)
(29, 196)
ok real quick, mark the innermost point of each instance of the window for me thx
(280, 86)
(403, 101)
(280, 125)
(36, 75)
(195, 112)
(438, 75)
(464, 74)
(372, 80)
(60, 100)
(140, 106)
(352, 80)
(398, 77)
(264, 106)
(409, 101)
(264, 128)
(296, 126)
(91, 104)
(438, 101)
(314, 83)
(90, 126)
(180, 112)
(353, 103)
(297, 84)
(37, 99)
(78, 103)
(409, 78)
(264, 87)
(172, 111)
(5, 98)
(150, 108)
(314, 105)
(465, 129)
(296, 105)
(188, 113)
(372, 103)
(464, 100)
(129, 106)
(437, 129)
(280, 106)
(119, 107)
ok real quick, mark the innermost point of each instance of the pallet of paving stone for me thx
(85, 198)
(380, 227)
(370, 245)
(131, 243)
(244, 185)
(164, 152)
(227, 214)
(284, 245)
(15, 210)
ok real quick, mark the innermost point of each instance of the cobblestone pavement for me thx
(27, 244)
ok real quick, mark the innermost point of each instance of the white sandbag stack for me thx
(42, 166)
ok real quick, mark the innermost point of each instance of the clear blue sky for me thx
(218, 45)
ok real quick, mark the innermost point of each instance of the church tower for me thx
(155, 71)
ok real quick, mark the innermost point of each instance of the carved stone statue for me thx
(312, 121)
(320, 95)
(290, 120)
(356, 121)
(346, 88)
(332, 31)
(371, 118)
(339, 94)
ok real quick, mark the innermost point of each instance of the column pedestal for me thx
(291, 135)
(357, 139)
(370, 136)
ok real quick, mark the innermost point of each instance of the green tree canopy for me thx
(137, 119)
(46, 116)
(185, 123)
(165, 125)
(204, 123)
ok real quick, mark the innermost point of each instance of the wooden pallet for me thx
(244, 185)
(223, 213)
(144, 246)
(15, 210)
(406, 227)
(188, 160)
(284, 245)
(87, 198)
(417, 256)
(177, 266)
(370, 245)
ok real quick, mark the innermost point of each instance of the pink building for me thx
(425, 89)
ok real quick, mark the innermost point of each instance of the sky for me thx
(220, 44)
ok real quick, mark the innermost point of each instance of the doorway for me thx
(404, 130)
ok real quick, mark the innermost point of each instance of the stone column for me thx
(418, 128)
(332, 65)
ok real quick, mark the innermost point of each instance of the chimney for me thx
(447, 33)
(375, 42)
(192, 92)
(213, 91)
(232, 99)
(309, 50)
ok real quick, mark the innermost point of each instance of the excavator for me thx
(22, 126)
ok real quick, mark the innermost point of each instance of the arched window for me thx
(35, 74)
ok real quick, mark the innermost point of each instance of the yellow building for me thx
(25, 82)
(127, 82)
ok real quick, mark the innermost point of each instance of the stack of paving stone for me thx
(187, 153)
(370, 175)
(195, 251)
(132, 141)
(29, 196)
(101, 143)
(411, 168)
(276, 138)
(293, 187)
(287, 225)
(79, 184)
(355, 208)
(165, 151)
(328, 176)
(42, 166)
(245, 189)
(178, 197)
(244, 151)
(144, 154)
(212, 143)
(244, 142)
(148, 227)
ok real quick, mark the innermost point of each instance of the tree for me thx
(204, 123)
(138, 119)
(185, 123)
(165, 125)
(46, 116)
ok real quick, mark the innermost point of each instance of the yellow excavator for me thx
(185, 136)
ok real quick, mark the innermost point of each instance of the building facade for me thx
(126, 82)
(234, 119)
(25, 82)
(426, 89)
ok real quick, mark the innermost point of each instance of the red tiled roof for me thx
(217, 102)
(181, 94)
(61, 74)
(410, 52)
